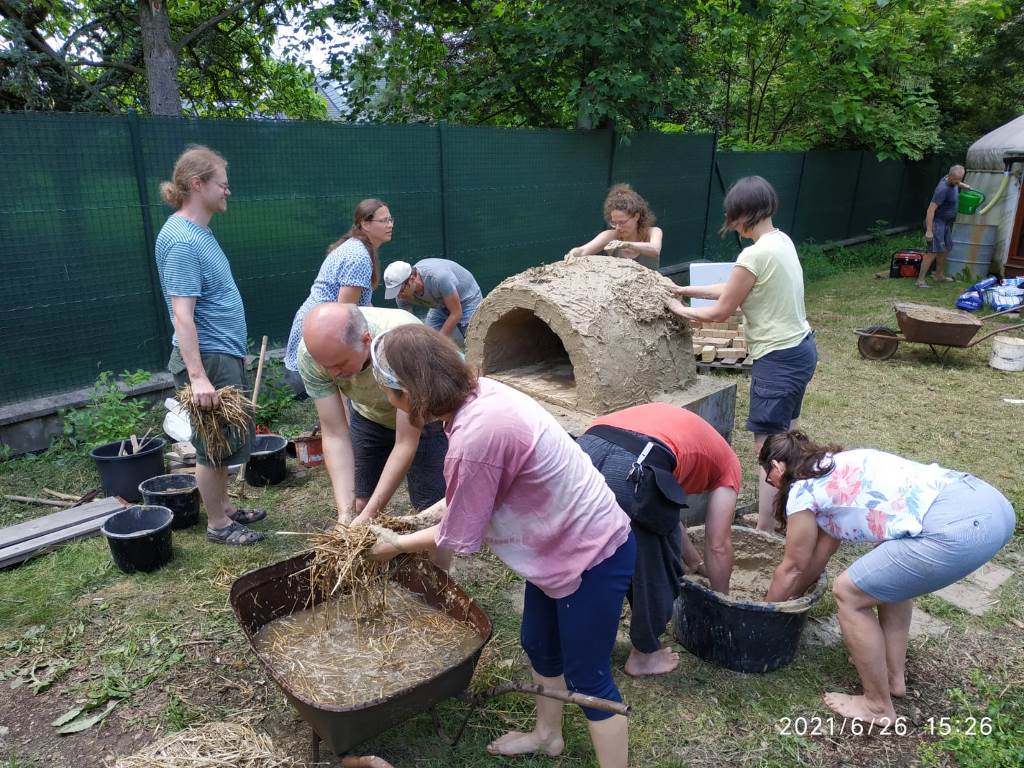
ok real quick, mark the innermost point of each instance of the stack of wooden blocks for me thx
(722, 342)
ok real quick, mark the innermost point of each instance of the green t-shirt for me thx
(774, 317)
(362, 389)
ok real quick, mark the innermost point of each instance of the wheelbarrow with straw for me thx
(939, 328)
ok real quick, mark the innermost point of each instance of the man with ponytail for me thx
(931, 527)
(206, 311)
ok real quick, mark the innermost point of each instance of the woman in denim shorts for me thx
(931, 527)
(767, 283)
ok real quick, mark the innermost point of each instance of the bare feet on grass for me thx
(897, 682)
(518, 743)
(658, 663)
(858, 708)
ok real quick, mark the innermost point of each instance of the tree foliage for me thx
(89, 56)
(774, 74)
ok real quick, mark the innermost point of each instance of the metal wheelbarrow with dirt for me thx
(941, 329)
(262, 595)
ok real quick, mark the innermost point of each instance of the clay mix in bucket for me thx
(755, 559)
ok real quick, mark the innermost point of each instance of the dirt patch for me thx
(755, 558)
(591, 333)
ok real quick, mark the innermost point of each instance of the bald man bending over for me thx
(369, 446)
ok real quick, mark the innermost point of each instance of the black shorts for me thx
(777, 385)
(372, 444)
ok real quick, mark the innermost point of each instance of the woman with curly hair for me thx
(931, 527)
(631, 233)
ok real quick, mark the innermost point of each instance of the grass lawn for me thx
(164, 651)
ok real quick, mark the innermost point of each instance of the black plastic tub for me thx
(121, 475)
(742, 635)
(140, 537)
(267, 463)
(179, 493)
(260, 596)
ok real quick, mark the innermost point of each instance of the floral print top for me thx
(870, 495)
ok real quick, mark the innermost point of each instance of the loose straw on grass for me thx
(212, 745)
(233, 411)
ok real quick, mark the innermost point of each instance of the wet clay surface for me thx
(755, 559)
(604, 317)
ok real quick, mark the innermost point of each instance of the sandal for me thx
(248, 516)
(235, 534)
(922, 285)
(944, 279)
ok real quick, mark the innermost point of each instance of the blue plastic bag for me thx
(981, 285)
(971, 300)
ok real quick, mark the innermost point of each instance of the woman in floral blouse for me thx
(931, 527)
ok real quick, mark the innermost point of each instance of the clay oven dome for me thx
(591, 334)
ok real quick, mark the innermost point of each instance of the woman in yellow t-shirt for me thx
(631, 233)
(767, 283)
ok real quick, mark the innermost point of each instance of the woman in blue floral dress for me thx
(931, 527)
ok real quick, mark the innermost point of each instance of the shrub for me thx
(111, 414)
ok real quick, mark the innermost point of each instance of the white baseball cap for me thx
(394, 278)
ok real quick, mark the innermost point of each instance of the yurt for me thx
(992, 238)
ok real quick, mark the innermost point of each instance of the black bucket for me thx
(742, 635)
(140, 538)
(267, 462)
(121, 475)
(179, 493)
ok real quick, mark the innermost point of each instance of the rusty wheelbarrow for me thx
(941, 329)
(262, 595)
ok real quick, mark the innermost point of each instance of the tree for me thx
(545, 63)
(215, 58)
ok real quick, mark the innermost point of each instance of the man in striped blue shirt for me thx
(209, 325)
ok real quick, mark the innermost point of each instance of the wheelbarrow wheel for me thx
(874, 347)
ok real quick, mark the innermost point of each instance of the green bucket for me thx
(970, 199)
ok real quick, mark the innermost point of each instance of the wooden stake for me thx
(33, 500)
(59, 495)
(259, 373)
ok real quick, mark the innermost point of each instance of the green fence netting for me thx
(80, 209)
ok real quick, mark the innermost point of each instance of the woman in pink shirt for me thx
(517, 482)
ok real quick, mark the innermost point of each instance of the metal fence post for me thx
(856, 189)
(442, 131)
(139, 163)
(707, 194)
(796, 199)
(611, 158)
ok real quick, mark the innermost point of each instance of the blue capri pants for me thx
(965, 526)
(574, 636)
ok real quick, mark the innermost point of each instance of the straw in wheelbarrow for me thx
(341, 566)
(331, 655)
(233, 412)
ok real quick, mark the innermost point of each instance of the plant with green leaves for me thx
(275, 395)
(111, 414)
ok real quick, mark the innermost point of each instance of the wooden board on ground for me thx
(22, 541)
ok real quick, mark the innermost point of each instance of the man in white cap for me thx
(448, 289)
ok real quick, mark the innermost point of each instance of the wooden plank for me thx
(42, 544)
(48, 524)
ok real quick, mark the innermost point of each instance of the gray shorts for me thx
(965, 526)
(371, 446)
(222, 371)
(942, 237)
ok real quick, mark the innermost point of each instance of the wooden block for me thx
(707, 354)
(717, 342)
(731, 354)
(739, 343)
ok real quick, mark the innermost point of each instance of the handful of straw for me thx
(211, 426)
(342, 566)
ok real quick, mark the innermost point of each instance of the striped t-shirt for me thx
(191, 263)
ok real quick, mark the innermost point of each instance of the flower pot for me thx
(139, 538)
(121, 475)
